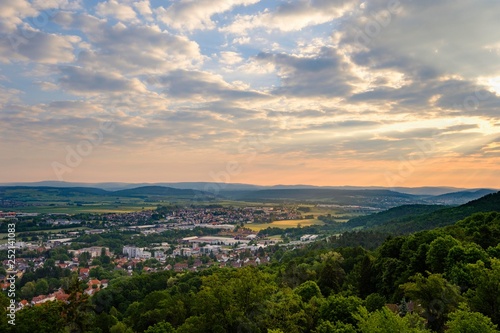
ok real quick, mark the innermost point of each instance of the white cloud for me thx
(12, 14)
(37, 46)
(144, 8)
(115, 9)
(230, 58)
(196, 14)
(291, 16)
(134, 49)
(83, 81)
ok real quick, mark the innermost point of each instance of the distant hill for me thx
(90, 194)
(145, 191)
(367, 198)
(386, 221)
(392, 216)
(217, 187)
(461, 197)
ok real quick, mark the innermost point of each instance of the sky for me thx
(322, 92)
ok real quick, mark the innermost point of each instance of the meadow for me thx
(283, 224)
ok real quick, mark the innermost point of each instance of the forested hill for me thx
(89, 194)
(412, 218)
(392, 216)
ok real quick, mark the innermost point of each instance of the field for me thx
(87, 208)
(3, 236)
(283, 224)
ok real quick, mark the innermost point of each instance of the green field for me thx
(89, 208)
(3, 236)
(283, 224)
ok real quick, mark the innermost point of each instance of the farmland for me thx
(284, 224)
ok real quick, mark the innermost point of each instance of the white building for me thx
(134, 252)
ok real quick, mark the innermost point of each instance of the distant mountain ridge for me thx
(371, 198)
(214, 186)
(420, 219)
(44, 193)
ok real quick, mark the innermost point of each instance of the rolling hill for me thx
(382, 199)
(89, 194)
(418, 218)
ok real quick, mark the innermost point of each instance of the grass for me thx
(4, 236)
(89, 208)
(284, 224)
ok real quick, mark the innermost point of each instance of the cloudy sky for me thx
(324, 92)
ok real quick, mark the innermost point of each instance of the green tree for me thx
(464, 321)
(308, 290)
(4, 303)
(41, 287)
(285, 311)
(77, 312)
(326, 326)
(438, 252)
(436, 295)
(385, 321)
(45, 318)
(161, 327)
(331, 274)
(28, 290)
(375, 302)
(340, 308)
(120, 328)
(485, 296)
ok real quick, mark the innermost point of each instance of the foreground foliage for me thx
(442, 280)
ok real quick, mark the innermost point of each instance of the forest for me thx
(440, 280)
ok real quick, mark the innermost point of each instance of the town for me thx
(100, 247)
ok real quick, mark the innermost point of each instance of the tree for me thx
(4, 303)
(485, 297)
(326, 326)
(375, 302)
(78, 310)
(331, 274)
(464, 321)
(120, 328)
(340, 308)
(45, 318)
(385, 321)
(437, 297)
(41, 287)
(28, 290)
(365, 277)
(285, 312)
(308, 290)
(161, 327)
(438, 252)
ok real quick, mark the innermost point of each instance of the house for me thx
(84, 272)
(94, 282)
(42, 299)
(22, 304)
(180, 266)
(104, 283)
(60, 295)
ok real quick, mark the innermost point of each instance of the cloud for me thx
(12, 14)
(144, 8)
(196, 14)
(40, 47)
(82, 81)
(134, 49)
(202, 86)
(324, 74)
(291, 16)
(117, 10)
(230, 58)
